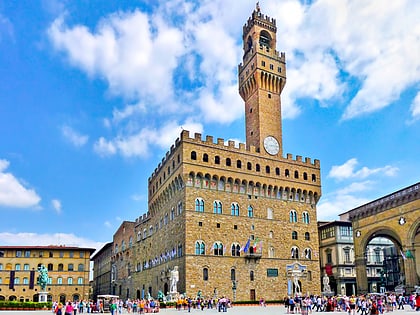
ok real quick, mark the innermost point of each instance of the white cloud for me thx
(56, 204)
(335, 204)
(13, 192)
(348, 171)
(6, 27)
(135, 53)
(33, 239)
(415, 107)
(138, 144)
(108, 224)
(181, 59)
(74, 137)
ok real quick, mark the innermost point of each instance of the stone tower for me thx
(262, 76)
(234, 220)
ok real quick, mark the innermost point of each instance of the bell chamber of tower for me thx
(262, 76)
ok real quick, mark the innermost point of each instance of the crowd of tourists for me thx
(370, 304)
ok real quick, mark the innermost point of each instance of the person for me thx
(401, 302)
(69, 309)
(113, 307)
(418, 302)
(59, 309)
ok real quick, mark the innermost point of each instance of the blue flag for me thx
(247, 245)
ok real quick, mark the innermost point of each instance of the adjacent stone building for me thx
(101, 283)
(238, 221)
(68, 272)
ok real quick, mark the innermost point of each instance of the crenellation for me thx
(231, 143)
(307, 160)
(298, 158)
(220, 141)
(242, 147)
(289, 156)
(197, 136)
(209, 139)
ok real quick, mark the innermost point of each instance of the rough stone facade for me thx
(122, 258)
(236, 221)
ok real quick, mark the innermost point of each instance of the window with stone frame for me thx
(200, 248)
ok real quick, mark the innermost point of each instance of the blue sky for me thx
(93, 93)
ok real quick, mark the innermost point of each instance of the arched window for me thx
(60, 267)
(232, 274)
(314, 178)
(296, 174)
(238, 164)
(251, 275)
(199, 205)
(59, 280)
(305, 176)
(81, 267)
(305, 217)
(70, 267)
(308, 253)
(294, 252)
(218, 249)
(180, 207)
(228, 162)
(217, 207)
(277, 171)
(250, 212)
(294, 235)
(205, 274)
(286, 173)
(25, 280)
(249, 166)
(50, 267)
(205, 157)
(70, 280)
(267, 169)
(217, 159)
(307, 236)
(193, 155)
(265, 39)
(130, 242)
(293, 216)
(258, 167)
(236, 250)
(271, 252)
(200, 248)
(80, 280)
(234, 209)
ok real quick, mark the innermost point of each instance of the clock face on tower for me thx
(271, 145)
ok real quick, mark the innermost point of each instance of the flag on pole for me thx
(247, 245)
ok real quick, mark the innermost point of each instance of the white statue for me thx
(296, 282)
(326, 283)
(174, 279)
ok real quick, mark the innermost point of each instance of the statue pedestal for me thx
(328, 293)
(42, 296)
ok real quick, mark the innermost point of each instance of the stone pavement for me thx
(237, 310)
